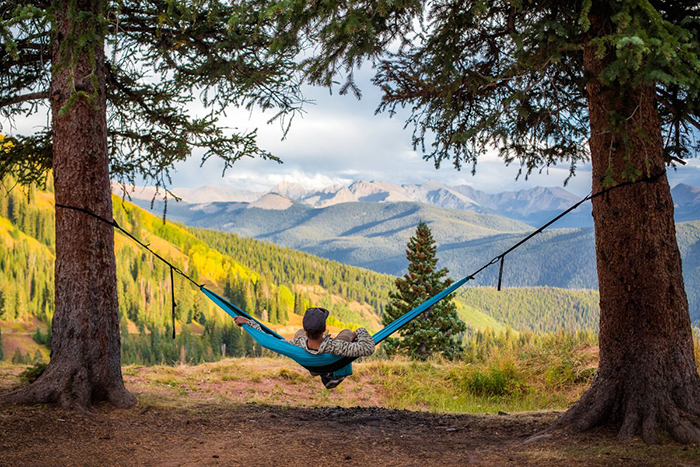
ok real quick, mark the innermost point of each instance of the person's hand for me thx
(240, 320)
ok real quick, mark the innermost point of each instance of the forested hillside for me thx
(373, 236)
(271, 281)
(537, 309)
(287, 266)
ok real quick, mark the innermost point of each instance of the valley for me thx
(370, 229)
(276, 283)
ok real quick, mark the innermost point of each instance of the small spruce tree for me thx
(437, 329)
(18, 358)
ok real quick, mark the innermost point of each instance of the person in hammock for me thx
(313, 339)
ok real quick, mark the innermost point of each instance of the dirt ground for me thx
(258, 435)
(271, 415)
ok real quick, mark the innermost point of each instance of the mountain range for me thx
(533, 206)
(272, 282)
(530, 206)
(370, 229)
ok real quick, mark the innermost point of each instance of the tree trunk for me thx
(85, 362)
(647, 381)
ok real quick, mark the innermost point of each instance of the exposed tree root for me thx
(121, 398)
(637, 412)
(71, 390)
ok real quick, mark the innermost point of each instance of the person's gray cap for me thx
(315, 319)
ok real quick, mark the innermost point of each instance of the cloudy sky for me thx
(340, 140)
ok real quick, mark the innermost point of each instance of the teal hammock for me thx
(316, 363)
(323, 363)
(328, 363)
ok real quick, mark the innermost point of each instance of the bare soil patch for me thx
(183, 421)
(259, 435)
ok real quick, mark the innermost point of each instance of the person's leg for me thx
(345, 335)
(329, 380)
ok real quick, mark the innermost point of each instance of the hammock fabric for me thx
(327, 363)
(323, 363)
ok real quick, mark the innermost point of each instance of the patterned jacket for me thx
(361, 347)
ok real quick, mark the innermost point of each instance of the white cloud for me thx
(340, 140)
(257, 181)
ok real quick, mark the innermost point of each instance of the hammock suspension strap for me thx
(326, 363)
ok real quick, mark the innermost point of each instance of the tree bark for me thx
(85, 365)
(647, 380)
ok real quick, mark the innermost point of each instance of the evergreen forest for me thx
(275, 284)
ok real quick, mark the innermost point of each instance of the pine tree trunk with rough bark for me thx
(647, 380)
(85, 365)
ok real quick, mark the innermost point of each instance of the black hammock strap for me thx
(389, 329)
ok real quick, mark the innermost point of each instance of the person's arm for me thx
(241, 321)
(363, 345)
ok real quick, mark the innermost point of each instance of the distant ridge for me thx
(686, 199)
(529, 206)
(271, 201)
(533, 206)
(686, 195)
(290, 190)
(473, 228)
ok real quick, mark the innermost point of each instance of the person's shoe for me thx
(330, 381)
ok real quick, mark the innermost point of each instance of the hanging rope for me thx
(588, 197)
(499, 258)
(500, 273)
(173, 268)
(172, 291)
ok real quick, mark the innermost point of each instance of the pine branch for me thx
(33, 96)
(671, 108)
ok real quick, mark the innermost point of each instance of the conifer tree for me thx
(237, 344)
(18, 358)
(120, 79)
(616, 82)
(436, 330)
(298, 304)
